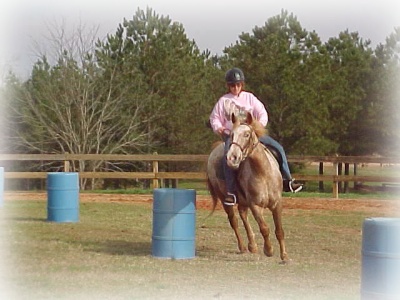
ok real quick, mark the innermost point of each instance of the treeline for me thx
(148, 88)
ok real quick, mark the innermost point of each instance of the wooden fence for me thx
(155, 175)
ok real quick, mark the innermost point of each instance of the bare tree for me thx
(76, 106)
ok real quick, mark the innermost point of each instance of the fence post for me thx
(155, 171)
(321, 172)
(355, 183)
(346, 172)
(66, 163)
(335, 186)
(340, 172)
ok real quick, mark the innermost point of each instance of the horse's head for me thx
(244, 138)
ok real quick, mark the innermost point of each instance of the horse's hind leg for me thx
(279, 233)
(233, 220)
(243, 212)
(264, 229)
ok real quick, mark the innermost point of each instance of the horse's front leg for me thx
(233, 220)
(243, 212)
(264, 229)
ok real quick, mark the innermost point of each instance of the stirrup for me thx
(295, 190)
(230, 195)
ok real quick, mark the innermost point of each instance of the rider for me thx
(238, 102)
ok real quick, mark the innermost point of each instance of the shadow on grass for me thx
(28, 219)
(118, 247)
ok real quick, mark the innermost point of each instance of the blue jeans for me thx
(230, 176)
(266, 140)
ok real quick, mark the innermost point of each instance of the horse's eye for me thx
(246, 135)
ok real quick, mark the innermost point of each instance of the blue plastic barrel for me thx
(380, 259)
(174, 223)
(1, 186)
(63, 197)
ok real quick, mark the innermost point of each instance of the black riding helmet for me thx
(234, 75)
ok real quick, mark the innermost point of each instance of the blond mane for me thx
(258, 128)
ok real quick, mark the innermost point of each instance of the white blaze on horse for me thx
(259, 184)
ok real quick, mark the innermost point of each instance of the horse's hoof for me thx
(269, 253)
(253, 249)
(285, 262)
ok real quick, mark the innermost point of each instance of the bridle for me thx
(253, 137)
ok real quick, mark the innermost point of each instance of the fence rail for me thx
(155, 175)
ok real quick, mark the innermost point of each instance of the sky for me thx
(213, 24)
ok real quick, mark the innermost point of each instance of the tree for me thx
(175, 73)
(350, 66)
(381, 110)
(76, 107)
(287, 68)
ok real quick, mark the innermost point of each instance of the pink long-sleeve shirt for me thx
(220, 117)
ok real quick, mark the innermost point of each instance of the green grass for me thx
(107, 255)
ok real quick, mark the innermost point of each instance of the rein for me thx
(244, 149)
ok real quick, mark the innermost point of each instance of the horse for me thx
(259, 184)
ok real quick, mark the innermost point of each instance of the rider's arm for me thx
(259, 111)
(217, 118)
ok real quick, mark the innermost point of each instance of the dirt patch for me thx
(365, 205)
(389, 207)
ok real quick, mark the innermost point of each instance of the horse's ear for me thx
(233, 118)
(249, 118)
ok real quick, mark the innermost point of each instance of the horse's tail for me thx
(213, 195)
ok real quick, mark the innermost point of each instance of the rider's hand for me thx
(223, 131)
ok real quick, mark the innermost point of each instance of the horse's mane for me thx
(258, 128)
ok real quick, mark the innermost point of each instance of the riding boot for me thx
(291, 186)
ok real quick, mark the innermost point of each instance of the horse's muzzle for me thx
(233, 159)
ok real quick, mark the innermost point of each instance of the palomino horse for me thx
(259, 184)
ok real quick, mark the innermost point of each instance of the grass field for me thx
(107, 255)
